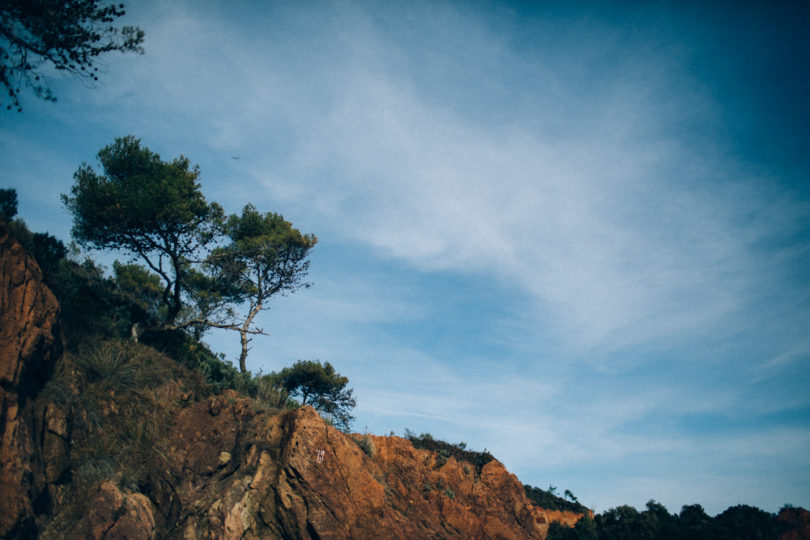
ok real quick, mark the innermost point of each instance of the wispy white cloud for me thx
(624, 233)
(439, 192)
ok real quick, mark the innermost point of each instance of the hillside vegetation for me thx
(135, 428)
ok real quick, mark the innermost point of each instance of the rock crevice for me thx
(29, 347)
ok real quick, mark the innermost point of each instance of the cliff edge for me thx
(121, 442)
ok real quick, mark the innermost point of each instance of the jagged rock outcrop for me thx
(29, 347)
(566, 517)
(300, 478)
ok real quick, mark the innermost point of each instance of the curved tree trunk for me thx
(243, 355)
(243, 333)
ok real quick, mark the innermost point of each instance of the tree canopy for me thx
(199, 270)
(266, 257)
(68, 35)
(148, 207)
(320, 386)
(8, 204)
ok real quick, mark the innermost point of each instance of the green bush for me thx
(585, 529)
(194, 355)
(320, 386)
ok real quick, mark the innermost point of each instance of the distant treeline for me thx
(656, 523)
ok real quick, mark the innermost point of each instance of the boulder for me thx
(116, 513)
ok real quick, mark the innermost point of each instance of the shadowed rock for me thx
(28, 350)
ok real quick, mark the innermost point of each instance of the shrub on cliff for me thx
(320, 386)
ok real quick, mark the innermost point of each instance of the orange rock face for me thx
(230, 469)
(117, 514)
(301, 478)
(28, 312)
(565, 517)
(28, 349)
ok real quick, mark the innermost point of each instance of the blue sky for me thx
(576, 235)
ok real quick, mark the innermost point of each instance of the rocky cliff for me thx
(28, 350)
(119, 442)
(238, 474)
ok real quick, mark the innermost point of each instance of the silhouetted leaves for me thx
(150, 208)
(69, 35)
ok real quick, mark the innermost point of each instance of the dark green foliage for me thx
(20, 230)
(736, 523)
(695, 522)
(445, 450)
(558, 531)
(46, 249)
(141, 286)
(49, 252)
(665, 526)
(624, 523)
(442, 455)
(266, 257)
(585, 529)
(320, 386)
(91, 303)
(745, 522)
(155, 211)
(194, 355)
(8, 204)
(66, 34)
(148, 207)
(547, 499)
